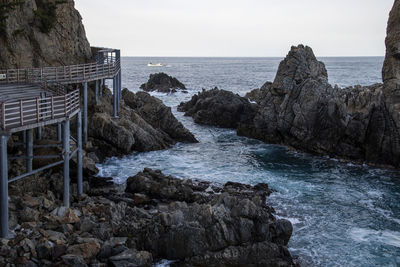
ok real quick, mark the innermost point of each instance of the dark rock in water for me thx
(157, 115)
(199, 227)
(144, 124)
(301, 109)
(161, 82)
(219, 108)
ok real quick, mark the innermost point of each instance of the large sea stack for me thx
(301, 109)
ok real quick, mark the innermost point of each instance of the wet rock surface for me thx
(188, 221)
(163, 83)
(219, 108)
(144, 124)
(301, 109)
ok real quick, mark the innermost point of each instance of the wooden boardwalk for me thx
(35, 97)
(31, 98)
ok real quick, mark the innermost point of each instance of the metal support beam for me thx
(66, 150)
(97, 91)
(3, 187)
(24, 137)
(118, 93)
(85, 113)
(101, 87)
(79, 154)
(59, 132)
(115, 94)
(29, 150)
(39, 133)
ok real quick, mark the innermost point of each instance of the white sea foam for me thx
(369, 235)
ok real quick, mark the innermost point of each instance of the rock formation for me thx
(144, 124)
(301, 109)
(39, 33)
(219, 108)
(161, 82)
(391, 66)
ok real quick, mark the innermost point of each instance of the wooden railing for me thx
(64, 74)
(16, 114)
(24, 112)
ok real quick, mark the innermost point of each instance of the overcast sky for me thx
(236, 28)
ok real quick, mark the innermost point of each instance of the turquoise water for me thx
(343, 214)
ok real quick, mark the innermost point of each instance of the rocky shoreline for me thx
(192, 223)
(302, 110)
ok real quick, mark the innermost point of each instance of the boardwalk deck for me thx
(31, 98)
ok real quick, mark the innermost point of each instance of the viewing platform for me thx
(37, 97)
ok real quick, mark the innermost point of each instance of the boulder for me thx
(193, 226)
(144, 124)
(157, 115)
(161, 82)
(219, 108)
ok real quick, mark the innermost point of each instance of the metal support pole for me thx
(85, 113)
(39, 133)
(59, 132)
(79, 154)
(115, 93)
(101, 87)
(120, 85)
(118, 93)
(24, 137)
(97, 91)
(66, 150)
(3, 187)
(29, 150)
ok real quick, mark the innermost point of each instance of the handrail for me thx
(106, 63)
(19, 113)
(23, 112)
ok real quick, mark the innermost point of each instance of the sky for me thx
(236, 28)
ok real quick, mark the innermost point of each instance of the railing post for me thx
(65, 105)
(3, 187)
(66, 155)
(37, 109)
(3, 116)
(52, 107)
(79, 154)
(21, 112)
(29, 150)
(17, 75)
(7, 79)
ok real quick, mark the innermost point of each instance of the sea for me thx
(343, 214)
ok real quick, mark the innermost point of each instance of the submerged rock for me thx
(161, 82)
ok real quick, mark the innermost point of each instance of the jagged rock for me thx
(157, 115)
(144, 124)
(24, 45)
(219, 108)
(131, 257)
(191, 224)
(87, 250)
(301, 109)
(161, 82)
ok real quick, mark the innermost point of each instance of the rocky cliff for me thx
(301, 109)
(36, 33)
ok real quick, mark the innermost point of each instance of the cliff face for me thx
(39, 33)
(391, 67)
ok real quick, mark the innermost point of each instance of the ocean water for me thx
(343, 214)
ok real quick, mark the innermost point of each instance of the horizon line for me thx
(245, 56)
